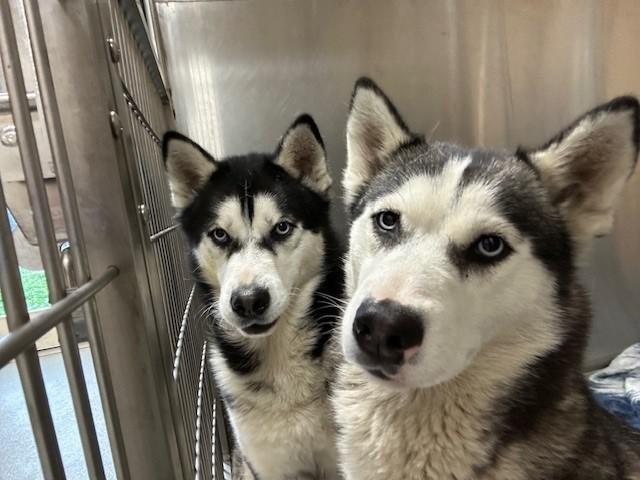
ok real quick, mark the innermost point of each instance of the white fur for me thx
(188, 169)
(303, 157)
(434, 418)
(365, 155)
(284, 428)
(596, 155)
(280, 274)
(465, 312)
(481, 333)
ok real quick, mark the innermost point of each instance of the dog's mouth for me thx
(377, 368)
(258, 328)
(378, 373)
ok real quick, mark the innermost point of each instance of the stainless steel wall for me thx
(477, 72)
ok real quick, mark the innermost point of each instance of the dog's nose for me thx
(250, 302)
(385, 330)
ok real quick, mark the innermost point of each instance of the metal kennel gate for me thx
(106, 104)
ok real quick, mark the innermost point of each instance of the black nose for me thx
(385, 330)
(250, 302)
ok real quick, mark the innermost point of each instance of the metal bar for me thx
(80, 264)
(178, 355)
(48, 248)
(139, 30)
(28, 364)
(154, 328)
(197, 452)
(140, 115)
(27, 334)
(162, 233)
(5, 105)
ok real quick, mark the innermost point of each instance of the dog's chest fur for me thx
(456, 432)
(395, 435)
(280, 411)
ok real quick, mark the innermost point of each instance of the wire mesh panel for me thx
(178, 310)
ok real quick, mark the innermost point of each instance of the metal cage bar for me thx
(183, 417)
(30, 332)
(78, 249)
(27, 362)
(17, 315)
(177, 311)
(47, 243)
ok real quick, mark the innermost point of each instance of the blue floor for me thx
(18, 455)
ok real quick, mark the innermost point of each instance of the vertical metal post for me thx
(78, 255)
(48, 248)
(27, 362)
(15, 304)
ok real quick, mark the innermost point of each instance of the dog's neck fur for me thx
(455, 430)
(299, 337)
(278, 401)
(274, 351)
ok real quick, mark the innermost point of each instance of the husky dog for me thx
(269, 265)
(465, 327)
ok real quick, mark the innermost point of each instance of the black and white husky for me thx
(269, 264)
(465, 327)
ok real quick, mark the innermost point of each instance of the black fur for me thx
(367, 83)
(325, 312)
(307, 120)
(552, 398)
(413, 138)
(173, 135)
(616, 105)
(245, 177)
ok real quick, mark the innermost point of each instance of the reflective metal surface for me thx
(477, 72)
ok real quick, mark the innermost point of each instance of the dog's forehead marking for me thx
(248, 221)
(247, 202)
(449, 201)
(267, 214)
(229, 216)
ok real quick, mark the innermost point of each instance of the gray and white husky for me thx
(268, 263)
(465, 327)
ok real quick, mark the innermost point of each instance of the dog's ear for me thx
(374, 131)
(188, 165)
(301, 154)
(586, 166)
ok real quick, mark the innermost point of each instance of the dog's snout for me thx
(250, 302)
(385, 330)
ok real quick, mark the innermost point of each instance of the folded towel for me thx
(617, 387)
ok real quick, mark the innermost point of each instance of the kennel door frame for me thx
(113, 114)
(145, 114)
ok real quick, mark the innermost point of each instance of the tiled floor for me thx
(18, 456)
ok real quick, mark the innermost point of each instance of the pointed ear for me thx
(188, 165)
(586, 166)
(374, 131)
(301, 154)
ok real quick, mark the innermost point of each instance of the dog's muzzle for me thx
(250, 304)
(385, 332)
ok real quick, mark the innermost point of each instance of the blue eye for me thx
(282, 229)
(387, 220)
(220, 236)
(490, 246)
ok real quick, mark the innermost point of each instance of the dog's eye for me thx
(220, 237)
(282, 229)
(387, 220)
(490, 246)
